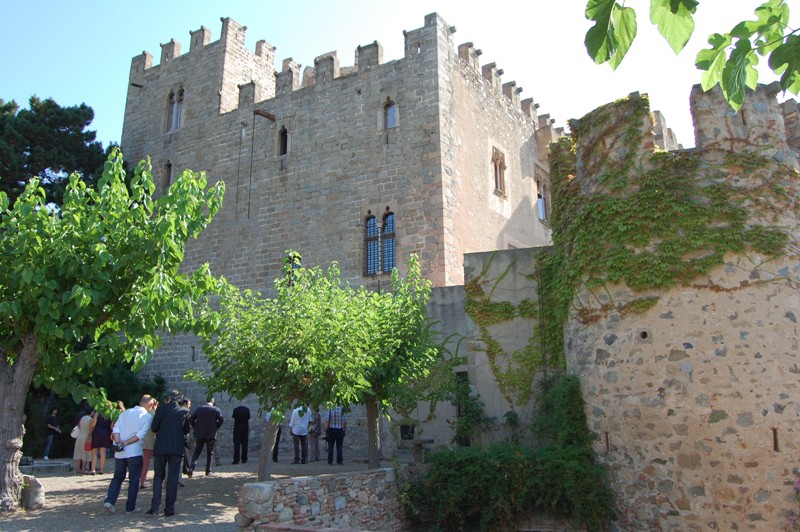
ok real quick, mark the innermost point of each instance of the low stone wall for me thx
(362, 500)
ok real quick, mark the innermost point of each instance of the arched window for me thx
(389, 114)
(373, 244)
(175, 109)
(380, 243)
(499, 171)
(167, 176)
(283, 141)
(388, 241)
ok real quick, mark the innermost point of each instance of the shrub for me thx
(491, 488)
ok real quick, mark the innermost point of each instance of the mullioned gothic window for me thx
(380, 243)
(499, 171)
(175, 110)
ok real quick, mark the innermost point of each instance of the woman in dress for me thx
(314, 430)
(79, 454)
(101, 440)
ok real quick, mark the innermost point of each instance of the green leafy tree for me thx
(402, 346)
(302, 344)
(318, 341)
(90, 284)
(49, 142)
(731, 58)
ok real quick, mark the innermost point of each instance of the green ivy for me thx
(654, 222)
(515, 381)
(657, 221)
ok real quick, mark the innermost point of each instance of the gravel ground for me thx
(206, 504)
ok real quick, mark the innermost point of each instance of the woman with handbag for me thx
(79, 454)
(100, 440)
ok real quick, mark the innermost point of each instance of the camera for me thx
(118, 446)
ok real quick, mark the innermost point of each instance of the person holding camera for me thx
(127, 436)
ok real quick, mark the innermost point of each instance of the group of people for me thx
(159, 431)
(92, 439)
(306, 423)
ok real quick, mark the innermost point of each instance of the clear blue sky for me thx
(80, 52)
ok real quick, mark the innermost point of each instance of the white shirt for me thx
(299, 421)
(132, 422)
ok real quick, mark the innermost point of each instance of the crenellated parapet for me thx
(493, 76)
(288, 79)
(238, 67)
(327, 67)
(369, 56)
(757, 128)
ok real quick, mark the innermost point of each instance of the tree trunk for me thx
(14, 383)
(373, 434)
(265, 455)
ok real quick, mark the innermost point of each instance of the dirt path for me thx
(74, 503)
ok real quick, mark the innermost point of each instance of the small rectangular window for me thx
(542, 203)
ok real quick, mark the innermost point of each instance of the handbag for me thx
(88, 445)
(75, 431)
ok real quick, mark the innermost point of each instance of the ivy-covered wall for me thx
(678, 275)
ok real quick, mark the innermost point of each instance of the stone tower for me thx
(429, 154)
(691, 381)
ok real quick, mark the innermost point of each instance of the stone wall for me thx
(364, 500)
(694, 397)
(433, 170)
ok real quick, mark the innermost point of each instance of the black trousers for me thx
(335, 436)
(241, 435)
(169, 466)
(275, 447)
(209, 445)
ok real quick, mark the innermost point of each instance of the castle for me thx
(688, 360)
(430, 154)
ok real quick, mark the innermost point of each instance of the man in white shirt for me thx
(128, 434)
(298, 425)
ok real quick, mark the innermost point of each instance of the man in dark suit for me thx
(241, 433)
(170, 423)
(206, 420)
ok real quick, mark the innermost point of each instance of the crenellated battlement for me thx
(257, 68)
(605, 143)
(758, 127)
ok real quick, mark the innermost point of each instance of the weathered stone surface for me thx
(367, 498)
(33, 493)
(242, 521)
(723, 364)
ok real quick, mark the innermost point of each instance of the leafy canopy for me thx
(731, 58)
(303, 342)
(318, 339)
(49, 142)
(93, 281)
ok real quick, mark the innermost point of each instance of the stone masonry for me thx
(306, 156)
(362, 500)
(695, 399)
